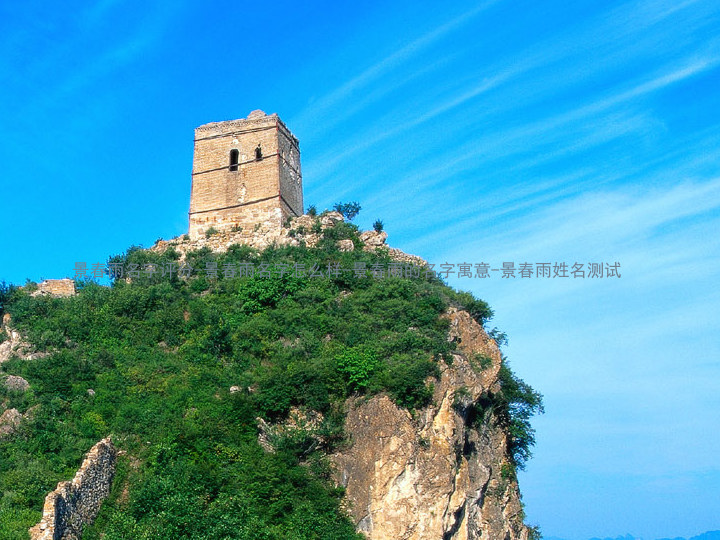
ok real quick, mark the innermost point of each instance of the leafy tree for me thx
(516, 404)
(358, 366)
(6, 292)
(478, 309)
(348, 210)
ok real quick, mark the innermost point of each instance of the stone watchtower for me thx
(246, 174)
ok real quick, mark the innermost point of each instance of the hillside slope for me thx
(300, 400)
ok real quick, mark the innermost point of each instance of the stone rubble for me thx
(16, 383)
(59, 288)
(303, 230)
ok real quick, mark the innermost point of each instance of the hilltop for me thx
(285, 392)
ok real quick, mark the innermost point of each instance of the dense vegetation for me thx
(160, 354)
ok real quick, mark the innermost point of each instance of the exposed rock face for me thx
(75, 504)
(433, 476)
(15, 383)
(11, 342)
(373, 239)
(346, 245)
(302, 228)
(14, 344)
(9, 421)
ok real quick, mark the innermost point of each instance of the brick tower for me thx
(246, 173)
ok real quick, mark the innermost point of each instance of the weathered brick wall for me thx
(253, 194)
(266, 216)
(290, 174)
(75, 504)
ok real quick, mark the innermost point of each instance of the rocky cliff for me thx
(442, 473)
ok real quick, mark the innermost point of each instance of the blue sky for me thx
(478, 132)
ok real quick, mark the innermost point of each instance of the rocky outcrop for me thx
(9, 421)
(14, 344)
(402, 257)
(15, 383)
(435, 474)
(346, 245)
(305, 229)
(75, 504)
(299, 425)
(373, 239)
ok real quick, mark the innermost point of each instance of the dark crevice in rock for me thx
(459, 517)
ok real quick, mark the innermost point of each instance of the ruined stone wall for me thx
(56, 287)
(75, 504)
(260, 191)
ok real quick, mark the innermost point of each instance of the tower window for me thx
(234, 159)
(258, 153)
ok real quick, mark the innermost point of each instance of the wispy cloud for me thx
(347, 91)
(495, 83)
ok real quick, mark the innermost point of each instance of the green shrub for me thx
(499, 337)
(534, 533)
(161, 353)
(507, 471)
(6, 293)
(358, 366)
(482, 361)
